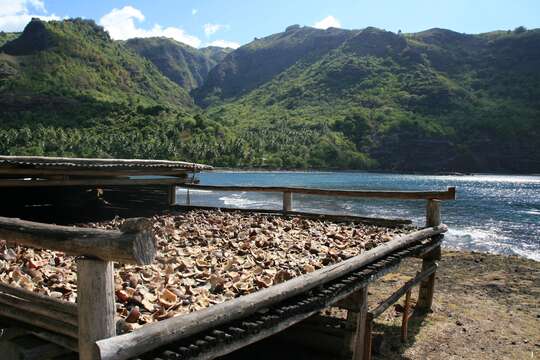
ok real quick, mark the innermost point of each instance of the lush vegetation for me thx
(183, 64)
(304, 98)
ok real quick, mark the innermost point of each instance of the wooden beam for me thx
(133, 244)
(425, 273)
(405, 317)
(47, 301)
(18, 172)
(95, 298)
(36, 307)
(56, 325)
(95, 182)
(157, 334)
(449, 194)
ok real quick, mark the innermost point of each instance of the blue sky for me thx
(235, 22)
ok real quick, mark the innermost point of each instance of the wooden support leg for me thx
(172, 195)
(405, 318)
(356, 322)
(425, 295)
(95, 300)
(368, 339)
(427, 287)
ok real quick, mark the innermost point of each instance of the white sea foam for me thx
(490, 241)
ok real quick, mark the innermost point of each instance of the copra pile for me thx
(204, 258)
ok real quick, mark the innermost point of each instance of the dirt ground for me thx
(485, 307)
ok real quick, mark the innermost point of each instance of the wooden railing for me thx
(449, 194)
(92, 318)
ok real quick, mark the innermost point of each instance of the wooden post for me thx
(425, 295)
(287, 201)
(95, 300)
(405, 318)
(356, 322)
(172, 195)
(368, 339)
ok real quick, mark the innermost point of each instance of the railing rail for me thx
(448, 194)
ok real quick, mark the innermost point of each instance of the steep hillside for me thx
(436, 100)
(181, 63)
(259, 61)
(67, 89)
(7, 36)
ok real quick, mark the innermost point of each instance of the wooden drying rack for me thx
(89, 326)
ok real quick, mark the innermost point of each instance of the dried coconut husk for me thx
(204, 258)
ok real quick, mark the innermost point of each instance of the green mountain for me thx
(181, 63)
(259, 61)
(67, 89)
(435, 100)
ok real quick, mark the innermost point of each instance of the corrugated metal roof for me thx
(37, 162)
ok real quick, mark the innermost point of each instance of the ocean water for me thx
(492, 213)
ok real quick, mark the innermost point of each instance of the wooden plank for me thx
(17, 172)
(95, 298)
(157, 334)
(134, 243)
(91, 182)
(36, 307)
(99, 162)
(44, 322)
(46, 301)
(368, 339)
(449, 194)
(329, 217)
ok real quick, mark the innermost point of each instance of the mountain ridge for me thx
(435, 100)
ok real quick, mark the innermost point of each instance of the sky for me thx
(236, 22)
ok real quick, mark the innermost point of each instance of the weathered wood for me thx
(329, 217)
(95, 298)
(287, 201)
(172, 195)
(154, 335)
(45, 322)
(433, 213)
(127, 246)
(356, 321)
(66, 161)
(405, 317)
(425, 273)
(36, 307)
(38, 299)
(17, 172)
(427, 288)
(368, 339)
(91, 182)
(449, 194)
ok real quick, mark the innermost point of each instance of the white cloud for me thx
(327, 22)
(210, 29)
(194, 11)
(120, 23)
(224, 43)
(15, 14)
